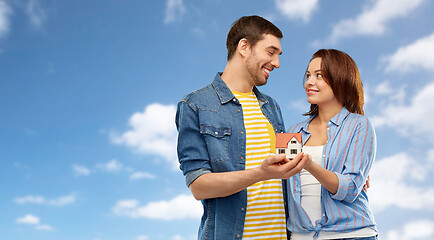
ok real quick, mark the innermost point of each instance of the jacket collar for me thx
(225, 95)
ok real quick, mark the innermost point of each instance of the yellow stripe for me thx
(264, 199)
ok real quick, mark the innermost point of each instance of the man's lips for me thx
(267, 71)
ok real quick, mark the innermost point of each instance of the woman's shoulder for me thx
(298, 126)
(361, 120)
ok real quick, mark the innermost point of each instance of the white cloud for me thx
(60, 201)
(44, 227)
(414, 119)
(199, 32)
(391, 179)
(178, 237)
(153, 131)
(142, 237)
(36, 14)
(297, 9)
(81, 170)
(34, 220)
(141, 175)
(30, 199)
(372, 21)
(413, 57)
(389, 93)
(28, 219)
(5, 12)
(174, 10)
(181, 207)
(301, 104)
(421, 229)
(111, 166)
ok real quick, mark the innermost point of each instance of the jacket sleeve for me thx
(192, 151)
(357, 161)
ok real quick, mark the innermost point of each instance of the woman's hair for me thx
(251, 28)
(340, 71)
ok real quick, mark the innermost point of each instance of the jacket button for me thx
(242, 132)
(242, 209)
(238, 235)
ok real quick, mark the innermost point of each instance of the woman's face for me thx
(318, 91)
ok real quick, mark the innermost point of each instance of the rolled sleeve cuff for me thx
(193, 175)
(344, 184)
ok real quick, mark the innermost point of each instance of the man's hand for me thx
(367, 184)
(280, 167)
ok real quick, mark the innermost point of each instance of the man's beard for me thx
(255, 75)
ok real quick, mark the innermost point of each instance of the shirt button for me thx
(328, 128)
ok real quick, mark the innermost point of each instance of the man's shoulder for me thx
(198, 94)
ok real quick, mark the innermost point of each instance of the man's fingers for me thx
(297, 164)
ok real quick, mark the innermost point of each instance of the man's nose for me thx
(276, 62)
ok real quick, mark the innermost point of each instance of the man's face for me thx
(262, 58)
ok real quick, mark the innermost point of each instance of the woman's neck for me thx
(327, 112)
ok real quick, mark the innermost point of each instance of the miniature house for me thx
(289, 144)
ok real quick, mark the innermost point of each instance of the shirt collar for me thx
(336, 120)
(224, 93)
(339, 118)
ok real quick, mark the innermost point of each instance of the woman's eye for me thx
(319, 75)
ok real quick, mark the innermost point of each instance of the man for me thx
(227, 134)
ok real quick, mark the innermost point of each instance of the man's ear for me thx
(243, 47)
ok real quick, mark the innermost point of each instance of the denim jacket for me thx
(212, 139)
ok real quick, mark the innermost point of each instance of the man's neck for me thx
(235, 80)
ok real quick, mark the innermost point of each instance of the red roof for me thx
(282, 139)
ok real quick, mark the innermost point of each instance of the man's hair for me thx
(341, 73)
(251, 28)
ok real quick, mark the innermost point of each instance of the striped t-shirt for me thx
(265, 213)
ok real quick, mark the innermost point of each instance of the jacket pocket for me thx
(217, 142)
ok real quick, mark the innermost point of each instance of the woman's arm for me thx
(348, 184)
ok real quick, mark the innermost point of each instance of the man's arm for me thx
(213, 185)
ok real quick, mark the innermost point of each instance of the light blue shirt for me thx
(349, 153)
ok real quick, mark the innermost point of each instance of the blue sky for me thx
(88, 91)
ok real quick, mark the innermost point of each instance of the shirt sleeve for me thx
(192, 150)
(358, 161)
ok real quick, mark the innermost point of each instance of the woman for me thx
(326, 200)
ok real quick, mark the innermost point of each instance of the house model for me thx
(289, 144)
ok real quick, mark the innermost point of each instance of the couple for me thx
(227, 133)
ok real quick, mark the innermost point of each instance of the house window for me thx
(293, 151)
(281, 150)
(293, 142)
